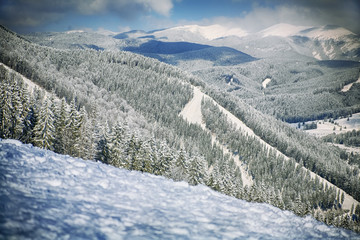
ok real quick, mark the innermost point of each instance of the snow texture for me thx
(282, 30)
(44, 195)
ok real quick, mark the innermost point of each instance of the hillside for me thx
(124, 109)
(47, 196)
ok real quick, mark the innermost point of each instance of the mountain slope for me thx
(175, 52)
(46, 195)
(196, 33)
(158, 92)
(325, 43)
(192, 112)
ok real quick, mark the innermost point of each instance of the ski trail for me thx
(192, 113)
(348, 86)
(30, 84)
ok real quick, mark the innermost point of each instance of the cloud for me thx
(33, 13)
(344, 13)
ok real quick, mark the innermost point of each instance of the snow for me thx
(43, 200)
(327, 36)
(347, 149)
(31, 86)
(341, 125)
(323, 33)
(192, 110)
(192, 113)
(348, 86)
(316, 55)
(210, 32)
(74, 31)
(266, 82)
(282, 30)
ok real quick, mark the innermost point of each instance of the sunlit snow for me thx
(49, 196)
(207, 32)
(266, 82)
(282, 30)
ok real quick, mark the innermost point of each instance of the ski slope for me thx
(44, 195)
(192, 113)
(348, 86)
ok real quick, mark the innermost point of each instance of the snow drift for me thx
(44, 195)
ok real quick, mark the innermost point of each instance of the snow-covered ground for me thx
(347, 149)
(31, 86)
(192, 113)
(266, 82)
(348, 86)
(340, 125)
(44, 195)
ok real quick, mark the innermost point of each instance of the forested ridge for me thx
(299, 89)
(315, 155)
(123, 109)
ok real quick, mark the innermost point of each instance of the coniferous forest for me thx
(123, 109)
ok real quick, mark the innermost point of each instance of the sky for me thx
(24, 16)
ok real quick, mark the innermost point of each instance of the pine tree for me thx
(86, 136)
(6, 109)
(179, 170)
(116, 141)
(61, 123)
(163, 161)
(44, 128)
(148, 154)
(132, 159)
(197, 171)
(18, 114)
(29, 124)
(103, 145)
(74, 134)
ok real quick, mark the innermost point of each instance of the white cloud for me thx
(162, 7)
(262, 17)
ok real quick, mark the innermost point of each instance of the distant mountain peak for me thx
(329, 32)
(209, 32)
(283, 30)
(322, 32)
(74, 31)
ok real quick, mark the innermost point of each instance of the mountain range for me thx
(208, 105)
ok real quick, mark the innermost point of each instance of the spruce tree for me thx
(61, 123)
(6, 109)
(44, 129)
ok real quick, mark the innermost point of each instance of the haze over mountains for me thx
(326, 42)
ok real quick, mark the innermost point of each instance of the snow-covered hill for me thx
(282, 30)
(281, 40)
(325, 43)
(44, 195)
(196, 32)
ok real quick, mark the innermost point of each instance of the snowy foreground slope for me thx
(44, 195)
